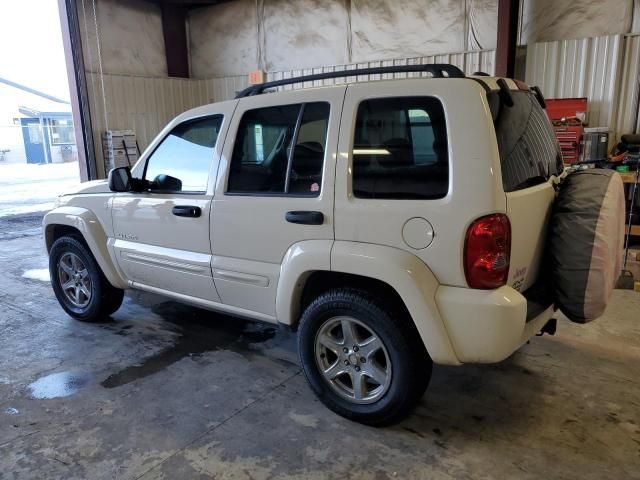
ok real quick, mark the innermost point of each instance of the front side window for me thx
(185, 154)
(400, 149)
(280, 150)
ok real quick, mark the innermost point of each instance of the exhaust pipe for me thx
(549, 328)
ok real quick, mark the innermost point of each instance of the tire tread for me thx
(110, 297)
(417, 359)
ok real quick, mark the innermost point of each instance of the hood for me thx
(94, 186)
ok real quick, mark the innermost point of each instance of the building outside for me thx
(35, 128)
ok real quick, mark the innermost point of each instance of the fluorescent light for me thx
(371, 151)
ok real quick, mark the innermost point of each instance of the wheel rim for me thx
(352, 360)
(74, 280)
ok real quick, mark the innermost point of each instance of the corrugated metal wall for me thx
(143, 104)
(603, 69)
(469, 62)
(146, 104)
(225, 88)
(629, 97)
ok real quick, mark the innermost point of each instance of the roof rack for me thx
(438, 70)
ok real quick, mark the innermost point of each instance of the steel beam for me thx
(174, 30)
(77, 89)
(508, 14)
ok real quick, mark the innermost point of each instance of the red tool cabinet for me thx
(569, 139)
(567, 116)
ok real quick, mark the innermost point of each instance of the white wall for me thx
(551, 20)
(242, 35)
(281, 36)
(238, 36)
(128, 38)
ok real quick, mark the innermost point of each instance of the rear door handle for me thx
(186, 211)
(305, 217)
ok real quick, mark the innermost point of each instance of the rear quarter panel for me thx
(475, 182)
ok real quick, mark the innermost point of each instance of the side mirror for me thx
(166, 183)
(120, 179)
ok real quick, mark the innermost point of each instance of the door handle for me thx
(305, 217)
(186, 211)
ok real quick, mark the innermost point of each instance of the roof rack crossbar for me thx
(438, 70)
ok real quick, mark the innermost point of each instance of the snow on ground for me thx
(27, 188)
(41, 274)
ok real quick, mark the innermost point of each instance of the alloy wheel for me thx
(74, 280)
(352, 360)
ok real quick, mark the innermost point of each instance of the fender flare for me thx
(300, 261)
(87, 223)
(411, 279)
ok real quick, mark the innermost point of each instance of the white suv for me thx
(395, 223)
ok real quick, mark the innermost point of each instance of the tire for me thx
(401, 356)
(585, 249)
(90, 297)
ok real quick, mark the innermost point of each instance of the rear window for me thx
(529, 151)
(400, 149)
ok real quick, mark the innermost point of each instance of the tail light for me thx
(487, 249)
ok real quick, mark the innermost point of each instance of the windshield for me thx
(529, 150)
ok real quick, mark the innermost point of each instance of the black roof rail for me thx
(438, 70)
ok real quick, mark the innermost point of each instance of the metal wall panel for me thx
(628, 120)
(603, 69)
(225, 88)
(469, 62)
(146, 104)
(142, 104)
(589, 67)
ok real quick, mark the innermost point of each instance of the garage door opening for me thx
(38, 151)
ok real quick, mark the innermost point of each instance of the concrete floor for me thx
(165, 391)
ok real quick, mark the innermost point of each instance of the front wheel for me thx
(78, 283)
(362, 358)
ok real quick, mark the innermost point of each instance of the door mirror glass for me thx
(166, 183)
(120, 179)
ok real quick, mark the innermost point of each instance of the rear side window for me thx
(529, 151)
(400, 149)
(186, 154)
(280, 150)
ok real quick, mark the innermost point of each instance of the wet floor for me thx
(197, 331)
(164, 391)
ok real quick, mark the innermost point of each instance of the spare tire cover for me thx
(586, 236)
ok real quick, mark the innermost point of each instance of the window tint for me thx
(400, 149)
(529, 151)
(186, 154)
(263, 160)
(305, 176)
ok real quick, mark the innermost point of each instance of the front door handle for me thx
(186, 211)
(305, 217)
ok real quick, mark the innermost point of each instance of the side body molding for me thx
(94, 235)
(411, 279)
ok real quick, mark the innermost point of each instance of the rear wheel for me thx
(362, 358)
(78, 283)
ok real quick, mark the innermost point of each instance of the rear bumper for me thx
(487, 326)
